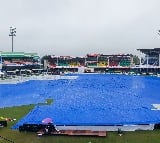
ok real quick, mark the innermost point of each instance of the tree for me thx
(136, 60)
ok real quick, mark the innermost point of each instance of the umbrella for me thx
(47, 121)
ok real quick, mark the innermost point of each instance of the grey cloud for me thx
(77, 27)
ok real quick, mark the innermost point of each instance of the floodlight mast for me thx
(158, 32)
(12, 33)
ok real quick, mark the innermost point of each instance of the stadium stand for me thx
(152, 56)
(14, 62)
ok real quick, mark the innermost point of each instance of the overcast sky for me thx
(78, 27)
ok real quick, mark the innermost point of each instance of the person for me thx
(46, 130)
(49, 129)
(120, 133)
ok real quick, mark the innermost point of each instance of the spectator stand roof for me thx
(18, 54)
(155, 51)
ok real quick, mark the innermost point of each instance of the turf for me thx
(26, 137)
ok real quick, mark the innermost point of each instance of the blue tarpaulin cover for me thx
(91, 99)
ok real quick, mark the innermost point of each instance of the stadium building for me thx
(16, 62)
(89, 63)
(0, 60)
(151, 62)
(56, 64)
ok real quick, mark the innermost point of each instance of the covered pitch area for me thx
(94, 100)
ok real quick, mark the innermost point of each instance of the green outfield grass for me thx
(26, 137)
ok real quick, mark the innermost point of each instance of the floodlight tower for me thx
(158, 32)
(12, 33)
